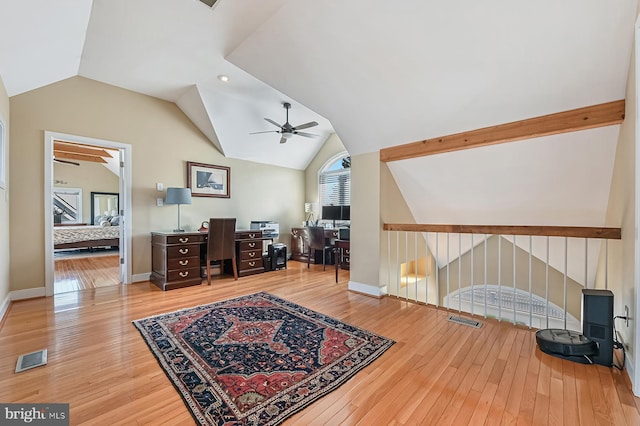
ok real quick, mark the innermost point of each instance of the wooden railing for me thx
(519, 286)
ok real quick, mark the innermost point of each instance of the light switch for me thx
(159, 186)
(159, 202)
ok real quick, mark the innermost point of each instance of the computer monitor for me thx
(336, 213)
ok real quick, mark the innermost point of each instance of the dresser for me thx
(176, 258)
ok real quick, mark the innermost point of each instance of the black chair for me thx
(221, 244)
(316, 241)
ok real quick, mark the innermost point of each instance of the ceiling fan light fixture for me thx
(287, 135)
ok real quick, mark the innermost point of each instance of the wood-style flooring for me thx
(84, 273)
(438, 372)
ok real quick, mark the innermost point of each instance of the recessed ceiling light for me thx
(223, 78)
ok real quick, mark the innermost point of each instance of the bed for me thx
(75, 237)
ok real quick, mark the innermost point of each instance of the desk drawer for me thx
(250, 255)
(248, 235)
(250, 245)
(251, 264)
(183, 251)
(183, 263)
(185, 274)
(184, 239)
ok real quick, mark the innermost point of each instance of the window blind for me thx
(335, 188)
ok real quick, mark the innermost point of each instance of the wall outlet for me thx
(159, 202)
(159, 186)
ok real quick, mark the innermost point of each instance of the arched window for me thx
(334, 181)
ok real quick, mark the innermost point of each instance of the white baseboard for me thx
(4, 307)
(28, 293)
(370, 290)
(629, 367)
(136, 278)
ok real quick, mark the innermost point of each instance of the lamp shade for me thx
(178, 196)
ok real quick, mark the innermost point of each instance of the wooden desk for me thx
(300, 248)
(177, 257)
(343, 250)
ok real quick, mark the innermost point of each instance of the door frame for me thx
(124, 203)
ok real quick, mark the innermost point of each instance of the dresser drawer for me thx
(185, 239)
(183, 263)
(183, 251)
(184, 274)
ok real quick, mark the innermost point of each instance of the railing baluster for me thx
(546, 280)
(606, 265)
(426, 268)
(398, 266)
(448, 291)
(485, 275)
(389, 259)
(586, 263)
(530, 283)
(564, 298)
(459, 273)
(499, 278)
(406, 268)
(437, 270)
(473, 294)
(415, 265)
(514, 280)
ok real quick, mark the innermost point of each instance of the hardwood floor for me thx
(438, 372)
(86, 272)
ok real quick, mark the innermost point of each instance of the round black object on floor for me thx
(566, 344)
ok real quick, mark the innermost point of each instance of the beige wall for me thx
(622, 213)
(4, 203)
(89, 177)
(331, 147)
(162, 139)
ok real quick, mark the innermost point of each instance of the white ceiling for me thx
(380, 73)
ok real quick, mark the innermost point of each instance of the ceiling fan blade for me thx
(272, 122)
(66, 162)
(283, 139)
(306, 125)
(268, 131)
(306, 135)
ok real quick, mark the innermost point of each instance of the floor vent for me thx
(209, 3)
(464, 321)
(32, 360)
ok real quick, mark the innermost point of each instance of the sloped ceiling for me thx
(379, 73)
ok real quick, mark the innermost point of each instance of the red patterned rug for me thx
(256, 359)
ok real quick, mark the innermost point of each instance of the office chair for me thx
(316, 241)
(221, 244)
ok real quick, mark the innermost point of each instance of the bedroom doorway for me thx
(87, 231)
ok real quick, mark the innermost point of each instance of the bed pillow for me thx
(105, 222)
(115, 221)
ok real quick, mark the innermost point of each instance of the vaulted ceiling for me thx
(378, 73)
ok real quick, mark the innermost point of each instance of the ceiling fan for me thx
(287, 130)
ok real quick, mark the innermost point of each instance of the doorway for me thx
(91, 230)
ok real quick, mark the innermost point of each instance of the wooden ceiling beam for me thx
(81, 157)
(590, 117)
(79, 149)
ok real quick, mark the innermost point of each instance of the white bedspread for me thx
(74, 234)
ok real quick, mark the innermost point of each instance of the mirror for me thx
(103, 204)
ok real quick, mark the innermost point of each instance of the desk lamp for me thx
(178, 196)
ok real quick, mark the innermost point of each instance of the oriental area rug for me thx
(256, 359)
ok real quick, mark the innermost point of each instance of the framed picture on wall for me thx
(207, 180)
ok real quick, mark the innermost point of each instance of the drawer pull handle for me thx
(184, 262)
(184, 240)
(252, 264)
(251, 254)
(252, 235)
(252, 244)
(184, 250)
(184, 274)
(346, 252)
(346, 260)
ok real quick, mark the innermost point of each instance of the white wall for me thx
(4, 208)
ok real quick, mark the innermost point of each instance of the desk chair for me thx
(316, 241)
(221, 244)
